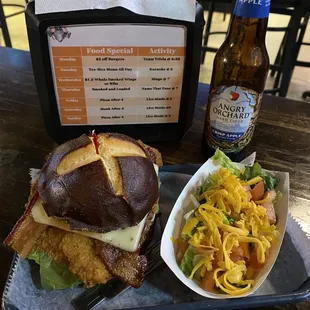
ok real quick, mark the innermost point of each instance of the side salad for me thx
(230, 229)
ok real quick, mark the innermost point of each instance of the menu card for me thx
(117, 74)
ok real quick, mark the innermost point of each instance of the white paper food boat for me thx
(176, 222)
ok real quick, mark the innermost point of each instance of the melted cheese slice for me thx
(126, 239)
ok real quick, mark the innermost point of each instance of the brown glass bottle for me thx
(239, 74)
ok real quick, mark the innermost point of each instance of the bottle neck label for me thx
(252, 8)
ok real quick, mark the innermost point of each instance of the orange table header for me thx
(109, 51)
(161, 51)
(118, 51)
(66, 51)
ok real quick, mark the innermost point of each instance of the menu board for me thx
(117, 74)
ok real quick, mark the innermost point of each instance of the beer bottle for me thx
(239, 74)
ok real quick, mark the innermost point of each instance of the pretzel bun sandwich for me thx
(89, 212)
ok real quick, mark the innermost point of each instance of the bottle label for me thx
(232, 114)
(252, 8)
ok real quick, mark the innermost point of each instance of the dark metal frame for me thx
(3, 23)
(4, 27)
(287, 56)
(205, 48)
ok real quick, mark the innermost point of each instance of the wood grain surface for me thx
(281, 140)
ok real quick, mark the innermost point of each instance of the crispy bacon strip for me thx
(26, 231)
(25, 235)
(152, 153)
(127, 266)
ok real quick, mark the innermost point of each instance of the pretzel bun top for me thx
(99, 183)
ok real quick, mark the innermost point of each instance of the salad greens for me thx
(270, 182)
(226, 162)
(209, 183)
(187, 264)
(249, 173)
(53, 275)
(252, 172)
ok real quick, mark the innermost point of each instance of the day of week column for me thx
(70, 84)
(160, 82)
(110, 78)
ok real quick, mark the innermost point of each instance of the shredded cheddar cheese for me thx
(253, 181)
(218, 238)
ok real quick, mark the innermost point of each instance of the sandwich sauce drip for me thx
(95, 140)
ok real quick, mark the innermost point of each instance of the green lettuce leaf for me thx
(209, 183)
(226, 162)
(187, 261)
(252, 172)
(270, 182)
(54, 276)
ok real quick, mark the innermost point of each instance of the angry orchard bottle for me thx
(239, 74)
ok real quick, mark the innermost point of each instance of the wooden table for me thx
(282, 140)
